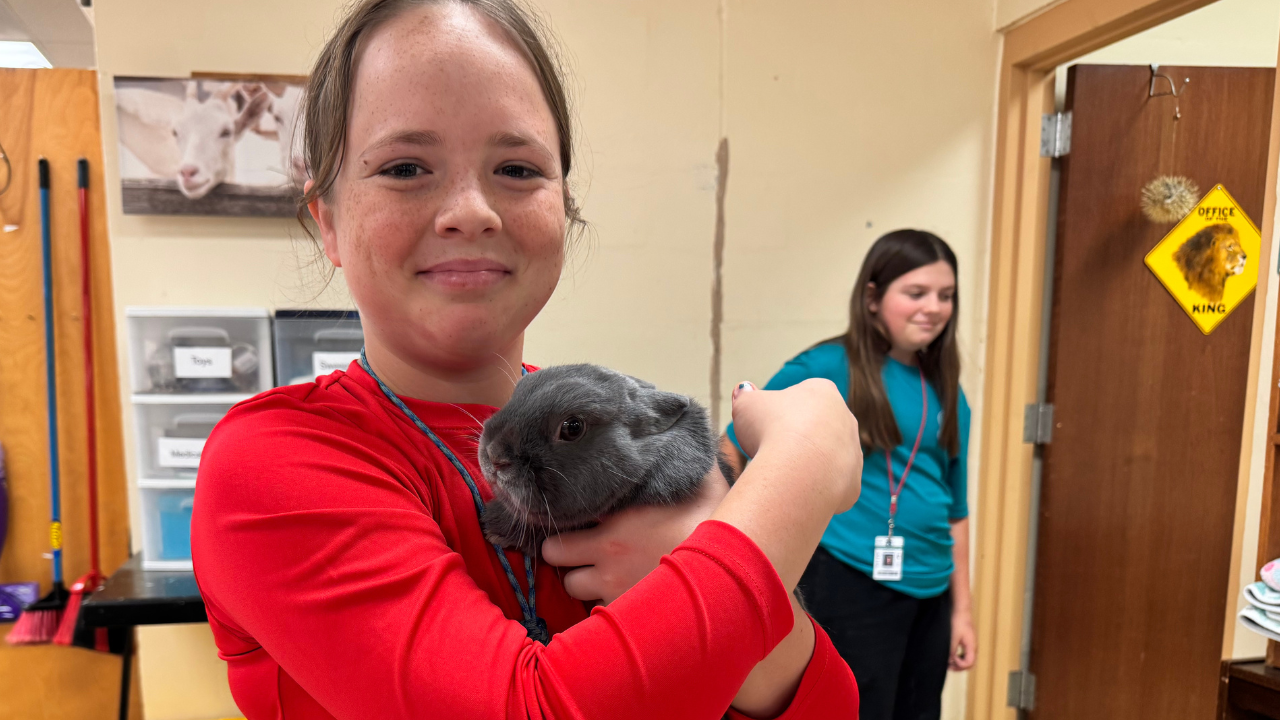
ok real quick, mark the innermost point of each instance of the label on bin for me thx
(180, 452)
(323, 362)
(202, 362)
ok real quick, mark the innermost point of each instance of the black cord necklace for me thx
(534, 626)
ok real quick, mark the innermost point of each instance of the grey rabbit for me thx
(578, 442)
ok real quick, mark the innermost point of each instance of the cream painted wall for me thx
(1228, 33)
(846, 121)
(636, 297)
(1012, 12)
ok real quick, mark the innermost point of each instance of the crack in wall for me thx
(717, 288)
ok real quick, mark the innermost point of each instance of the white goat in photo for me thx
(147, 121)
(208, 130)
(191, 141)
(286, 128)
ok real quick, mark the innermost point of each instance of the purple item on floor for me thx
(14, 597)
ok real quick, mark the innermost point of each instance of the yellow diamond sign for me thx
(1209, 261)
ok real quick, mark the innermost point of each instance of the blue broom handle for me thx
(51, 374)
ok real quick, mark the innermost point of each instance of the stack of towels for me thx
(1262, 614)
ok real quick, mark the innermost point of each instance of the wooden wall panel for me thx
(54, 114)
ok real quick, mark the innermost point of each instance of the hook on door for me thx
(1173, 90)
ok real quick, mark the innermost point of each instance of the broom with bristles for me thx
(39, 620)
(71, 631)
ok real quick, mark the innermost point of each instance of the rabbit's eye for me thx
(572, 428)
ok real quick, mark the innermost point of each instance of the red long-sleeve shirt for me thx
(346, 576)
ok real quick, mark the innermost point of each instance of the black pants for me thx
(896, 645)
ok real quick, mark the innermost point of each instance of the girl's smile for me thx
(466, 274)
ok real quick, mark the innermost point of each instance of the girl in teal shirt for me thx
(896, 603)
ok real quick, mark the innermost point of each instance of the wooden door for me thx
(1138, 487)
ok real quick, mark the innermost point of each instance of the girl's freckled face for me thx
(448, 214)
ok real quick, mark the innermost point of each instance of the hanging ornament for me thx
(1169, 198)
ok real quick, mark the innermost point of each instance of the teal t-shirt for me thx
(935, 492)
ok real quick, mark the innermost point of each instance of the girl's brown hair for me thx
(327, 100)
(892, 256)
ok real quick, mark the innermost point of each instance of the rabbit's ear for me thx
(660, 410)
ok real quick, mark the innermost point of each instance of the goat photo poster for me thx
(210, 147)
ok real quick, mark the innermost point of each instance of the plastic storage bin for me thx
(311, 343)
(171, 436)
(183, 350)
(167, 528)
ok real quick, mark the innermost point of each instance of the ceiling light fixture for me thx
(15, 54)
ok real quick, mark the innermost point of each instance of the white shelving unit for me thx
(312, 343)
(188, 366)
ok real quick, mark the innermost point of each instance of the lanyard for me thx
(888, 457)
(534, 626)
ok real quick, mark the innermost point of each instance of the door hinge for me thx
(1037, 424)
(1055, 134)
(1022, 690)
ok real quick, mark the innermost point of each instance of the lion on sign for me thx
(1209, 257)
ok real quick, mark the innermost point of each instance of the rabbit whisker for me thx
(550, 518)
(578, 490)
(464, 410)
(613, 469)
(508, 371)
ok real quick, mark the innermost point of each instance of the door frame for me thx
(1031, 51)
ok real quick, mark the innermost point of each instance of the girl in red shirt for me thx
(337, 535)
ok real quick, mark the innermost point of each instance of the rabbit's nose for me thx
(500, 464)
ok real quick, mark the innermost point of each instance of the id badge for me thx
(887, 562)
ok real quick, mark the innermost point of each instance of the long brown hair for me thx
(327, 101)
(892, 256)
